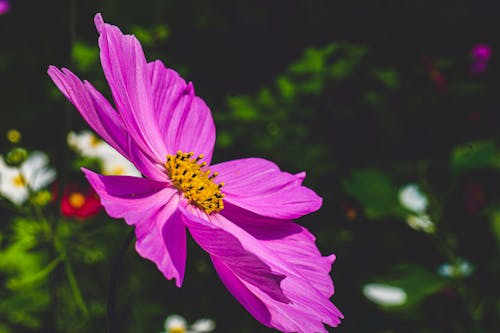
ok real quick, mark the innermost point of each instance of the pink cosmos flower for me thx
(240, 211)
(4, 6)
(481, 54)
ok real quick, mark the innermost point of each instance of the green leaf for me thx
(84, 56)
(475, 155)
(389, 77)
(376, 191)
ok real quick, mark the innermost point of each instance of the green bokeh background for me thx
(344, 90)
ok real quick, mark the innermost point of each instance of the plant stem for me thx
(113, 281)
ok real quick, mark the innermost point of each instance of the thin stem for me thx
(113, 281)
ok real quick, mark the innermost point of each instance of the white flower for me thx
(113, 163)
(89, 145)
(384, 295)
(32, 175)
(411, 198)
(177, 324)
(462, 268)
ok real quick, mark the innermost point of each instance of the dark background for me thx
(377, 119)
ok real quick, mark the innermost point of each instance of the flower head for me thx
(79, 203)
(33, 174)
(384, 294)
(177, 324)
(88, 145)
(481, 54)
(413, 199)
(240, 211)
(4, 6)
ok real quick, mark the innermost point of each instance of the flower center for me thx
(76, 200)
(177, 330)
(94, 141)
(19, 181)
(187, 175)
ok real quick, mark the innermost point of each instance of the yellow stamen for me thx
(119, 170)
(76, 200)
(197, 185)
(94, 141)
(19, 181)
(177, 330)
(13, 136)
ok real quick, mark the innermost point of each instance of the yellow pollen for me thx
(13, 136)
(76, 200)
(94, 141)
(119, 170)
(189, 176)
(177, 330)
(19, 181)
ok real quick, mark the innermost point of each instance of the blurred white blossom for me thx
(113, 163)
(178, 324)
(87, 144)
(462, 268)
(32, 175)
(411, 198)
(385, 295)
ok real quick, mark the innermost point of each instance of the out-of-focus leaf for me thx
(16, 284)
(376, 191)
(475, 155)
(495, 224)
(149, 36)
(389, 77)
(286, 87)
(23, 307)
(243, 108)
(84, 56)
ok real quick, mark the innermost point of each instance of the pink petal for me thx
(222, 244)
(249, 301)
(184, 119)
(259, 186)
(151, 207)
(128, 197)
(303, 306)
(161, 238)
(293, 243)
(93, 107)
(103, 119)
(125, 68)
(4, 6)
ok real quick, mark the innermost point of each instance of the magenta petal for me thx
(4, 6)
(161, 238)
(174, 236)
(129, 197)
(285, 318)
(103, 119)
(259, 186)
(151, 207)
(125, 68)
(228, 248)
(93, 107)
(293, 243)
(308, 305)
(251, 302)
(184, 119)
